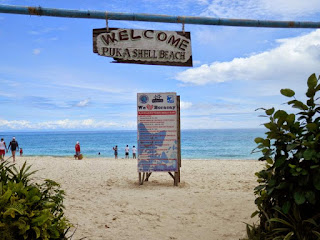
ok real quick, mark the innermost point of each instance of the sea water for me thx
(227, 144)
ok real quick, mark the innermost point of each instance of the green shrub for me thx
(288, 194)
(28, 210)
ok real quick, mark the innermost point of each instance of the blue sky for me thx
(51, 80)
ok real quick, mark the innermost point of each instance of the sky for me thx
(50, 79)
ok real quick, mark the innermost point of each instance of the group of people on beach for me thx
(78, 154)
(13, 147)
(126, 150)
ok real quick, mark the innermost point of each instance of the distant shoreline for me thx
(116, 130)
(123, 158)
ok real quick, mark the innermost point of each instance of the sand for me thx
(105, 201)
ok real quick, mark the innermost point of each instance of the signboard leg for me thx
(176, 178)
(147, 176)
(141, 178)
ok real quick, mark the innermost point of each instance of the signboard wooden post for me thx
(153, 47)
(158, 135)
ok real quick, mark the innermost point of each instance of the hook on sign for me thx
(183, 27)
(107, 23)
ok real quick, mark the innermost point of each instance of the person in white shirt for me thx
(127, 151)
(3, 149)
(134, 151)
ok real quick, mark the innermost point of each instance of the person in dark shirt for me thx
(13, 146)
(115, 149)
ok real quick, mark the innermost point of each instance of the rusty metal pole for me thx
(70, 13)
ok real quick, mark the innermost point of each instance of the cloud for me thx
(261, 8)
(83, 103)
(63, 124)
(196, 62)
(44, 31)
(290, 62)
(15, 124)
(185, 105)
(36, 51)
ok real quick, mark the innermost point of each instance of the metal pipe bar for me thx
(70, 13)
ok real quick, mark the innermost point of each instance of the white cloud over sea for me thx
(290, 61)
(66, 124)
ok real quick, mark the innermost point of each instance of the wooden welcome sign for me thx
(139, 46)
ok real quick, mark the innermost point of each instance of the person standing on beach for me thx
(127, 151)
(77, 148)
(13, 146)
(134, 151)
(3, 149)
(115, 149)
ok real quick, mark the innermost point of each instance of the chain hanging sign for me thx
(139, 46)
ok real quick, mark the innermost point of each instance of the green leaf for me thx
(311, 221)
(311, 197)
(254, 214)
(288, 236)
(266, 143)
(42, 218)
(282, 185)
(37, 231)
(258, 140)
(300, 105)
(292, 165)
(312, 81)
(279, 161)
(286, 207)
(314, 166)
(49, 204)
(270, 111)
(35, 199)
(310, 102)
(269, 160)
(291, 135)
(316, 233)
(292, 146)
(308, 154)
(316, 181)
(272, 182)
(290, 119)
(287, 92)
(268, 125)
(281, 114)
(5, 197)
(312, 127)
(279, 220)
(299, 197)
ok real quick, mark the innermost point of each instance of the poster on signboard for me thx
(153, 47)
(157, 132)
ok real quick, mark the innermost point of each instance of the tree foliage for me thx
(27, 210)
(288, 193)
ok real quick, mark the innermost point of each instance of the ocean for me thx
(226, 144)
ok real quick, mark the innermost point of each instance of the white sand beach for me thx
(105, 201)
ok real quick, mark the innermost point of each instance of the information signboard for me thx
(157, 132)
